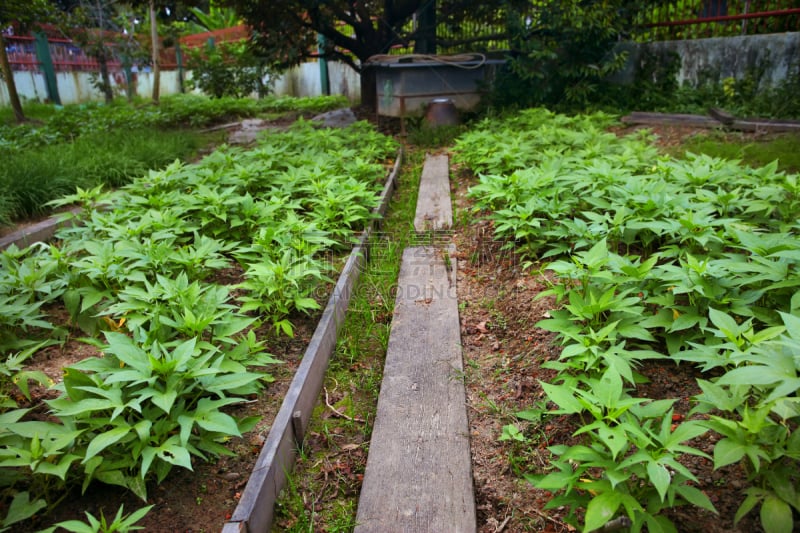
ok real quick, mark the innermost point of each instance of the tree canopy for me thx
(287, 30)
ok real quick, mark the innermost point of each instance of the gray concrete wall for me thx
(715, 59)
(76, 87)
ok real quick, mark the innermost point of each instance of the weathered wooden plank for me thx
(256, 507)
(41, 231)
(434, 210)
(718, 119)
(671, 119)
(419, 472)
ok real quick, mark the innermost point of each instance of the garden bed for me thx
(145, 294)
(505, 356)
(611, 392)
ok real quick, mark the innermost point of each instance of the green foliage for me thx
(227, 69)
(82, 146)
(216, 18)
(174, 111)
(562, 51)
(655, 88)
(694, 260)
(32, 177)
(121, 523)
(178, 346)
(783, 148)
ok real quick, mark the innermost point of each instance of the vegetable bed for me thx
(176, 291)
(647, 262)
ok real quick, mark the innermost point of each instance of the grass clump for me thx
(785, 149)
(31, 178)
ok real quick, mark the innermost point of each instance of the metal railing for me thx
(696, 19)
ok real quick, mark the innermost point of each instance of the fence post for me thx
(324, 79)
(46, 61)
(129, 84)
(179, 61)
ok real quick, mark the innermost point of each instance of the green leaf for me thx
(776, 515)
(104, 440)
(165, 400)
(601, 509)
(696, 497)
(727, 451)
(660, 478)
(175, 454)
(76, 526)
(563, 397)
(511, 432)
(754, 496)
(725, 323)
(22, 508)
(218, 422)
(659, 524)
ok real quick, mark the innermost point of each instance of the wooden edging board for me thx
(717, 119)
(39, 232)
(256, 507)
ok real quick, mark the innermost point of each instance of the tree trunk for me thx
(426, 28)
(16, 105)
(369, 88)
(156, 66)
(105, 79)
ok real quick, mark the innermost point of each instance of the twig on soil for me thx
(503, 525)
(339, 413)
(549, 518)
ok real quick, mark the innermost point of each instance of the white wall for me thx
(76, 87)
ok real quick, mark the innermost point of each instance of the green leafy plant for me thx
(174, 273)
(227, 69)
(652, 257)
(633, 447)
(121, 523)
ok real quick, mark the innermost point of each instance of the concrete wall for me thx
(701, 60)
(76, 87)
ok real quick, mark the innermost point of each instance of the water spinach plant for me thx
(694, 260)
(171, 278)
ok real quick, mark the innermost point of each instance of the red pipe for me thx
(724, 18)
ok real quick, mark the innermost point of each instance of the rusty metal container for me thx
(441, 112)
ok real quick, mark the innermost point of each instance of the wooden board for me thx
(41, 231)
(672, 119)
(419, 471)
(434, 210)
(256, 507)
(719, 119)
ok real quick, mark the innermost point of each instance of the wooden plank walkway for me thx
(434, 210)
(419, 471)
